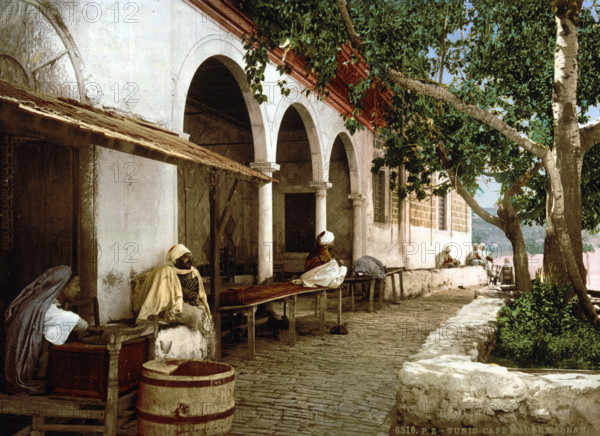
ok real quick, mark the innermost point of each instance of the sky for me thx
(489, 193)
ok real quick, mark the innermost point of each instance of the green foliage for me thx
(497, 55)
(540, 329)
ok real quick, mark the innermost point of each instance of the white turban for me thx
(175, 252)
(327, 238)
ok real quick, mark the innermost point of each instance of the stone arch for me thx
(353, 167)
(228, 51)
(310, 119)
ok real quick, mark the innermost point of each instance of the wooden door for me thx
(43, 198)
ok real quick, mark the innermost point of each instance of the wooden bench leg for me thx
(352, 285)
(251, 332)
(322, 314)
(112, 391)
(394, 293)
(371, 294)
(381, 292)
(339, 314)
(37, 421)
(292, 318)
(401, 286)
(218, 327)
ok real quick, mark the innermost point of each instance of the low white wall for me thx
(445, 387)
(424, 281)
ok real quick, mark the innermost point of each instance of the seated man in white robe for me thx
(488, 260)
(320, 269)
(445, 259)
(175, 293)
(475, 257)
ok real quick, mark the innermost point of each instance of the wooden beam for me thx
(226, 209)
(215, 276)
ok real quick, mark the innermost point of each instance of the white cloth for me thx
(328, 275)
(175, 253)
(327, 238)
(59, 323)
(160, 291)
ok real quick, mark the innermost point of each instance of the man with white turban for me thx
(475, 257)
(175, 293)
(320, 269)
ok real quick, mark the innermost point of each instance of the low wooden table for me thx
(392, 272)
(352, 281)
(42, 407)
(250, 310)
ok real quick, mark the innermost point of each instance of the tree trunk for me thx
(563, 166)
(554, 265)
(512, 230)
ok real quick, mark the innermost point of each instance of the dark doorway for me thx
(299, 222)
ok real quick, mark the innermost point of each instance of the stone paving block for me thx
(339, 384)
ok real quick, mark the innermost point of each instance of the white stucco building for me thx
(179, 65)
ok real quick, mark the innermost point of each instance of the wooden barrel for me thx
(185, 397)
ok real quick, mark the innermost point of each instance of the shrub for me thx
(540, 329)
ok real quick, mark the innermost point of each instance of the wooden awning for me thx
(30, 114)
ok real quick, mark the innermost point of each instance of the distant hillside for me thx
(534, 237)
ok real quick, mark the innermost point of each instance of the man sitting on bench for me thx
(320, 269)
(174, 292)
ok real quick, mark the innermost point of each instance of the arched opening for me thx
(339, 206)
(293, 198)
(216, 117)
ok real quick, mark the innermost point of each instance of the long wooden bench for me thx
(245, 300)
(42, 408)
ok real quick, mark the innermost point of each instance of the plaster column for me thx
(265, 221)
(357, 239)
(321, 205)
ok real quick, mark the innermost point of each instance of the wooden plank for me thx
(127, 401)
(322, 313)
(112, 389)
(226, 209)
(36, 422)
(218, 329)
(292, 317)
(24, 432)
(251, 332)
(401, 285)
(125, 419)
(71, 428)
(29, 406)
(268, 300)
(339, 314)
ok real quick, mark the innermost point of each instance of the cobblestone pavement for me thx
(338, 384)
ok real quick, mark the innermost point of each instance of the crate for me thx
(81, 370)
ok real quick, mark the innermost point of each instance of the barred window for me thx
(442, 216)
(379, 205)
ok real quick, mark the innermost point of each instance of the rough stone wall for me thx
(422, 213)
(424, 281)
(460, 213)
(444, 386)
